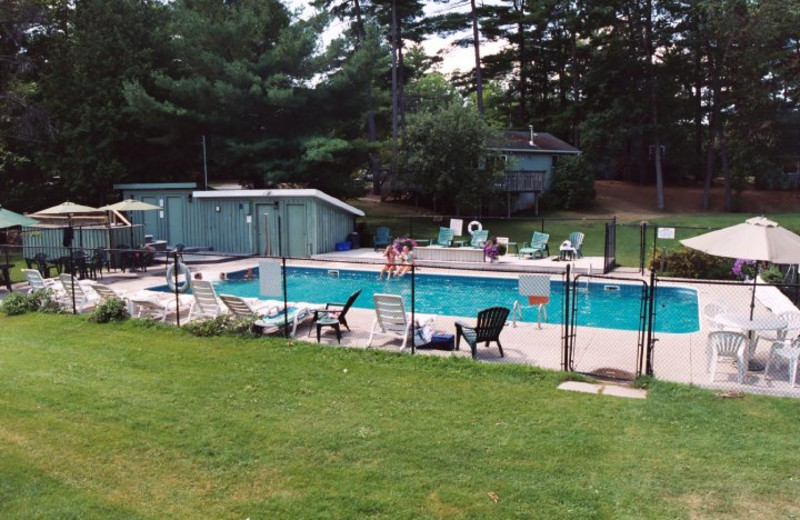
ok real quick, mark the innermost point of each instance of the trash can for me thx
(355, 240)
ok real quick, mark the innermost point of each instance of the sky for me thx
(454, 58)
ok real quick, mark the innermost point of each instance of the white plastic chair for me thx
(37, 282)
(391, 318)
(788, 350)
(791, 332)
(205, 304)
(710, 313)
(83, 300)
(728, 344)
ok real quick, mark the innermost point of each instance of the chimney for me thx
(531, 143)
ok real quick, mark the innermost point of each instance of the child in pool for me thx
(390, 267)
(407, 259)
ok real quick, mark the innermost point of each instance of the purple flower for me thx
(744, 268)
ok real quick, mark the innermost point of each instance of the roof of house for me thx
(543, 142)
(277, 193)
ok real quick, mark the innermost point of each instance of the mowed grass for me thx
(128, 421)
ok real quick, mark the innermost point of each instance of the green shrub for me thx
(19, 303)
(691, 263)
(113, 309)
(772, 275)
(573, 184)
(44, 301)
(223, 324)
(16, 303)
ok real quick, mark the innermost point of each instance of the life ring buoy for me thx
(474, 226)
(183, 270)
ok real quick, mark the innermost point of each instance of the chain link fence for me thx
(605, 325)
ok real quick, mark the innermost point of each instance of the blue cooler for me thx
(343, 246)
(443, 341)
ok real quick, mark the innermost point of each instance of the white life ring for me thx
(474, 226)
(183, 270)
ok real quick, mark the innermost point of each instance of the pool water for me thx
(603, 305)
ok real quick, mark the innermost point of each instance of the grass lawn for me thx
(560, 224)
(129, 421)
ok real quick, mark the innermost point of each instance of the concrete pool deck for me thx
(679, 358)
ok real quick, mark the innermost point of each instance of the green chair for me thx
(382, 237)
(576, 239)
(490, 323)
(445, 238)
(537, 246)
(479, 238)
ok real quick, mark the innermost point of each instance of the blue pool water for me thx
(604, 305)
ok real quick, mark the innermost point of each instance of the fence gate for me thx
(607, 326)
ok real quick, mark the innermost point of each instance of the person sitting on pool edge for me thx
(407, 259)
(391, 255)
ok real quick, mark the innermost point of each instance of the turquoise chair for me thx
(537, 246)
(382, 237)
(576, 239)
(478, 238)
(445, 238)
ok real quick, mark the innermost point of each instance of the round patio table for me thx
(759, 322)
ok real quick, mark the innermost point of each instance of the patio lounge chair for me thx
(490, 323)
(205, 304)
(728, 344)
(537, 246)
(37, 282)
(391, 318)
(334, 315)
(445, 238)
(478, 239)
(76, 296)
(107, 293)
(382, 237)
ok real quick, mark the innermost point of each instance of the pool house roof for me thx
(278, 193)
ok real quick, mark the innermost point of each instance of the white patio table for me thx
(759, 322)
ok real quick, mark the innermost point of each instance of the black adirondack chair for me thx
(334, 315)
(490, 323)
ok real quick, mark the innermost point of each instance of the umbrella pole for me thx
(753, 297)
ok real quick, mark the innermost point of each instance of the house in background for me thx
(530, 158)
(275, 222)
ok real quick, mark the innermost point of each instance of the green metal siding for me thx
(228, 229)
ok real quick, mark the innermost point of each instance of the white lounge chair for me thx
(246, 308)
(107, 293)
(728, 344)
(205, 303)
(392, 319)
(76, 296)
(37, 282)
(275, 320)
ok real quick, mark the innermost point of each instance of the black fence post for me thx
(413, 308)
(177, 291)
(567, 322)
(642, 246)
(648, 363)
(285, 299)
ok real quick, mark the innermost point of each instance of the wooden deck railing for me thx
(520, 181)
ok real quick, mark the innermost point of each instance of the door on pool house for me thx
(174, 215)
(267, 230)
(150, 218)
(296, 230)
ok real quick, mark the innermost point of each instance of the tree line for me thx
(97, 92)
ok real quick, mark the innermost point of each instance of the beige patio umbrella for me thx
(758, 239)
(131, 205)
(68, 208)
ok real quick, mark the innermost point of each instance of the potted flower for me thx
(490, 250)
(744, 269)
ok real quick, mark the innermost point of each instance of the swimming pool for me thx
(603, 305)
